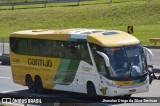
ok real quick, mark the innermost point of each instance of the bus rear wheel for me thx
(30, 83)
(128, 96)
(91, 91)
(39, 85)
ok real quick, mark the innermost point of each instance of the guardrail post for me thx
(3, 45)
(12, 6)
(45, 3)
(78, 3)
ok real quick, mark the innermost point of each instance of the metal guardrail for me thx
(154, 40)
(30, 2)
(13, 3)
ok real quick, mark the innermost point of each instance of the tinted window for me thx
(50, 48)
(99, 60)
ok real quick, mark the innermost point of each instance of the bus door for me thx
(78, 83)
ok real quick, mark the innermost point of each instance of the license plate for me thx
(132, 90)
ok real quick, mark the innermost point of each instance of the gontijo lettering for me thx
(40, 62)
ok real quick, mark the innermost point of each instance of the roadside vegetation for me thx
(144, 15)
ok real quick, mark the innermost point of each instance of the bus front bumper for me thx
(121, 91)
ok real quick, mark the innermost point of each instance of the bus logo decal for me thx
(103, 90)
(40, 62)
(87, 69)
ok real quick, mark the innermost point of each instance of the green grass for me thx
(143, 15)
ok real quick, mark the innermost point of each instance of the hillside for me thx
(143, 15)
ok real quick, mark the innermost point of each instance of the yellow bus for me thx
(90, 61)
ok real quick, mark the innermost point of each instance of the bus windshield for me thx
(126, 61)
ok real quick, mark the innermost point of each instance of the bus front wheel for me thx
(30, 83)
(39, 85)
(91, 91)
(128, 96)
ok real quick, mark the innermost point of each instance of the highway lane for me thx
(156, 58)
(153, 91)
(6, 82)
(9, 88)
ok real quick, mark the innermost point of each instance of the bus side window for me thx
(39, 47)
(41, 51)
(47, 48)
(62, 49)
(71, 50)
(55, 47)
(99, 60)
(67, 47)
(58, 49)
(32, 46)
(85, 53)
(14, 44)
(79, 52)
(30, 50)
(19, 45)
(22, 47)
(94, 49)
(44, 48)
(102, 66)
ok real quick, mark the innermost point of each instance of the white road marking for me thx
(157, 75)
(13, 104)
(5, 78)
(5, 91)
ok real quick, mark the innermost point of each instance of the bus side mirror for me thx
(149, 52)
(106, 59)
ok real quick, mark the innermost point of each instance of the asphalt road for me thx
(156, 58)
(7, 87)
(6, 83)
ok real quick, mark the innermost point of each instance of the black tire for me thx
(150, 80)
(30, 83)
(91, 91)
(39, 85)
(128, 96)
